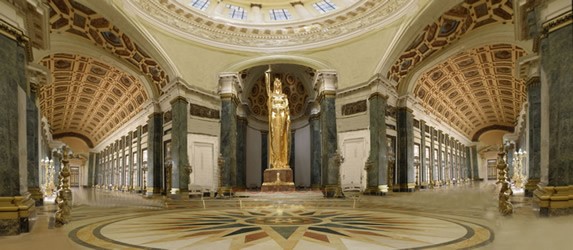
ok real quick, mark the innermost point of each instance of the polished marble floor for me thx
(447, 218)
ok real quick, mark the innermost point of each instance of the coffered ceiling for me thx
(474, 89)
(449, 27)
(71, 17)
(88, 99)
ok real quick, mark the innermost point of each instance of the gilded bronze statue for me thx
(279, 123)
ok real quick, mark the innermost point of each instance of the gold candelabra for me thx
(517, 175)
(222, 189)
(49, 174)
(64, 196)
(505, 206)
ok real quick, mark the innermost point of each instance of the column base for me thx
(333, 191)
(37, 195)
(15, 214)
(409, 187)
(379, 190)
(224, 192)
(530, 186)
(554, 200)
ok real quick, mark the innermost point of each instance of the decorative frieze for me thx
(354, 108)
(201, 111)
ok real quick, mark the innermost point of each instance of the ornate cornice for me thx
(557, 23)
(18, 36)
(361, 18)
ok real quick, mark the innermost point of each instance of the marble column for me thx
(179, 156)
(241, 177)
(423, 164)
(32, 138)
(264, 153)
(130, 161)
(292, 155)
(405, 159)
(328, 139)
(97, 178)
(154, 152)
(377, 171)
(534, 133)
(468, 163)
(57, 167)
(228, 140)
(447, 159)
(326, 90)
(556, 61)
(122, 163)
(91, 168)
(16, 206)
(139, 164)
(315, 149)
(474, 162)
(433, 162)
(440, 158)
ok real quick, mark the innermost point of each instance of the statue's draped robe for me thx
(279, 127)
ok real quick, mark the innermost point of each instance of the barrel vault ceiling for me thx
(471, 90)
(90, 99)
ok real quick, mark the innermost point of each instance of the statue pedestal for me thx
(278, 180)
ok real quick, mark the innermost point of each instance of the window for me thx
(279, 15)
(200, 4)
(324, 6)
(237, 12)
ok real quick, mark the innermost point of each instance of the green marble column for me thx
(474, 161)
(433, 162)
(405, 157)
(15, 203)
(179, 156)
(441, 163)
(556, 61)
(228, 143)
(423, 165)
(377, 169)
(534, 129)
(468, 163)
(264, 153)
(139, 164)
(130, 160)
(32, 129)
(315, 151)
(97, 177)
(241, 177)
(291, 159)
(154, 152)
(91, 169)
(122, 168)
(331, 172)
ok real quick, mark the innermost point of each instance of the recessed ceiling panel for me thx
(87, 106)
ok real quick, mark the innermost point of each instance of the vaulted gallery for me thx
(173, 105)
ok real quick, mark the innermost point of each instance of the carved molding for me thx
(361, 18)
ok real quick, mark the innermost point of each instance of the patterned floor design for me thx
(287, 227)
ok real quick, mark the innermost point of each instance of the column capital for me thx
(229, 84)
(325, 82)
(528, 67)
(178, 99)
(407, 101)
(37, 75)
